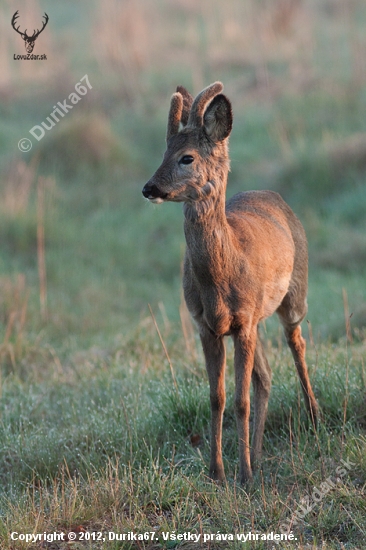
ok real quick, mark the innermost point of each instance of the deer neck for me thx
(209, 208)
(208, 234)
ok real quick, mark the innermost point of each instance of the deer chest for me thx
(209, 307)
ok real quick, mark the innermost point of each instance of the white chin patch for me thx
(157, 200)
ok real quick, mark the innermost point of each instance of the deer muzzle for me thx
(152, 192)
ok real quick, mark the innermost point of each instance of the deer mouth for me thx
(158, 200)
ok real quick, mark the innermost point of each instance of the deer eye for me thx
(186, 159)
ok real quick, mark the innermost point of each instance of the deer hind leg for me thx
(243, 363)
(261, 378)
(291, 318)
(297, 346)
(214, 351)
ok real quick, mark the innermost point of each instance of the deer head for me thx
(28, 40)
(187, 173)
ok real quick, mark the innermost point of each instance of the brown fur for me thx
(245, 260)
(187, 104)
(175, 115)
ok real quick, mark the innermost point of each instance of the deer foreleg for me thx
(214, 350)
(243, 363)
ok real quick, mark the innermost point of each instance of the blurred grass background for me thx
(82, 254)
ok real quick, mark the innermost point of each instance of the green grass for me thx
(111, 444)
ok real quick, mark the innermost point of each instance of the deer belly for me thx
(274, 293)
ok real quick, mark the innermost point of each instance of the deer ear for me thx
(218, 118)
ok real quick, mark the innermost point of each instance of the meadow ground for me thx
(104, 398)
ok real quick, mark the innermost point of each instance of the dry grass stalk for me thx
(13, 310)
(41, 255)
(164, 348)
(347, 316)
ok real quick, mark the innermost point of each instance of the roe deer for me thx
(245, 260)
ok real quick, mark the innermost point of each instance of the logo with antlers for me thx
(28, 40)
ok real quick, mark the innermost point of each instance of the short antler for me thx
(187, 104)
(195, 118)
(175, 114)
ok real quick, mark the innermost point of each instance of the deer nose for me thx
(146, 190)
(151, 191)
